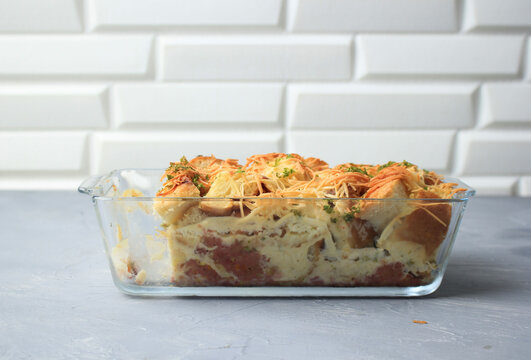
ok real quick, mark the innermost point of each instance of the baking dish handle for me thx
(88, 186)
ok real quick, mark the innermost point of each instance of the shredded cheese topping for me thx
(280, 175)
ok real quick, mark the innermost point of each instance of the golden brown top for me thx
(291, 175)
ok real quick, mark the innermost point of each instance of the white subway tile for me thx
(197, 103)
(23, 16)
(375, 15)
(381, 106)
(497, 15)
(73, 55)
(524, 186)
(156, 150)
(119, 14)
(295, 57)
(52, 107)
(506, 105)
(528, 72)
(494, 153)
(428, 149)
(42, 151)
(492, 185)
(439, 55)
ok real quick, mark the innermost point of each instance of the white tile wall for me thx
(496, 15)
(494, 153)
(160, 14)
(75, 55)
(26, 16)
(243, 104)
(388, 106)
(42, 151)
(91, 85)
(528, 70)
(506, 105)
(375, 15)
(297, 57)
(524, 186)
(440, 55)
(50, 106)
(492, 185)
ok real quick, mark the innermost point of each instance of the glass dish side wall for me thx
(319, 243)
(303, 248)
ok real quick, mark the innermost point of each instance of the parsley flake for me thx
(389, 163)
(196, 182)
(329, 208)
(358, 170)
(296, 212)
(287, 172)
(350, 215)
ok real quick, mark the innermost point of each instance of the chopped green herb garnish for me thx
(289, 156)
(329, 208)
(196, 182)
(277, 161)
(389, 163)
(296, 212)
(356, 208)
(334, 220)
(184, 160)
(407, 163)
(240, 171)
(169, 177)
(353, 210)
(178, 167)
(207, 177)
(287, 172)
(348, 217)
(357, 169)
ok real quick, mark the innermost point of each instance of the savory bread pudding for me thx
(284, 220)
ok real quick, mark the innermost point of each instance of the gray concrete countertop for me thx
(57, 299)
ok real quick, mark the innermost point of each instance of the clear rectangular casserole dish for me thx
(306, 247)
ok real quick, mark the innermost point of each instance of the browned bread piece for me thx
(418, 234)
(203, 162)
(316, 164)
(172, 210)
(224, 186)
(380, 213)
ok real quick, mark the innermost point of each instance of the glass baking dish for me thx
(169, 246)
